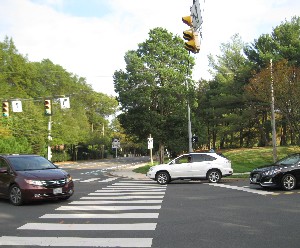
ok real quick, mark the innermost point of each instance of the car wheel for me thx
(288, 182)
(15, 195)
(162, 177)
(214, 176)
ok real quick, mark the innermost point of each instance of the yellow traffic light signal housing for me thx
(191, 36)
(48, 109)
(188, 20)
(5, 108)
(192, 43)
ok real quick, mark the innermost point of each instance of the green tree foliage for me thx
(32, 83)
(236, 103)
(153, 91)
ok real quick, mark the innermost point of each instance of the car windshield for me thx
(31, 163)
(293, 159)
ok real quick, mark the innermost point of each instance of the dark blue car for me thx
(284, 173)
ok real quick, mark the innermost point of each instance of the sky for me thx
(89, 38)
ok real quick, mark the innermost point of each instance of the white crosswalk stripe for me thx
(254, 191)
(75, 242)
(126, 200)
(102, 216)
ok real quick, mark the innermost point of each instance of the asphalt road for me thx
(108, 211)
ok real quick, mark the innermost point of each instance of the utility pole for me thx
(273, 115)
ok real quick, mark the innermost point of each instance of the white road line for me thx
(122, 197)
(116, 202)
(102, 216)
(130, 190)
(81, 227)
(254, 191)
(140, 184)
(127, 193)
(138, 181)
(108, 180)
(76, 242)
(107, 208)
(134, 187)
(90, 180)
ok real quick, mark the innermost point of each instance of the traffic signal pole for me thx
(49, 138)
(190, 128)
(194, 21)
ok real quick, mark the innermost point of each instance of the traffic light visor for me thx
(188, 34)
(193, 44)
(188, 20)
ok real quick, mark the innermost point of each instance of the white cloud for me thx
(95, 47)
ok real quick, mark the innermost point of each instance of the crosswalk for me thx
(128, 209)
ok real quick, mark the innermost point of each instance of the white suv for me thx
(210, 166)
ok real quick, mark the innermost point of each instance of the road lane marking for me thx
(107, 208)
(90, 180)
(111, 193)
(102, 216)
(116, 202)
(122, 197)
(130, 190)
(254, 191)
(82, 227)
(75, 241)
(108, 180)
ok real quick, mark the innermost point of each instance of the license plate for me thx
(57, 191)
(254, 179)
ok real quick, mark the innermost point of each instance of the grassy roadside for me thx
(246, 159)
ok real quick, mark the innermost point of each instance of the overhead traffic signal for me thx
(188, 20)
(47, 106)
(5, 108)
(192, 37)
(192, 43)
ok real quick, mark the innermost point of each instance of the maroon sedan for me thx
(26, 178)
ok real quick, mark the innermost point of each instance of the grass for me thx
(246, 159)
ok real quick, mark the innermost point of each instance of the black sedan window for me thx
(293, 159)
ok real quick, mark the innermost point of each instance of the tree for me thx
(32, 83)
(153, 91)
(224, 107)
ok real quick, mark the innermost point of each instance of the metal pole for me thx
(273, 116)
(190, 128)
(189, 113)
(49, 138)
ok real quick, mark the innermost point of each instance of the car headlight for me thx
(34, 182)
(68, 179)
(271, 172)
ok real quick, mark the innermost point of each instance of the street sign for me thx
(196, 15)
(16, 106)
(116, 143)
(150, 143)
(64, 102)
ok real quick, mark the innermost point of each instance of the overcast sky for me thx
(90, 37)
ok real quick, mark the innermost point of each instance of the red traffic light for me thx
(48, 109)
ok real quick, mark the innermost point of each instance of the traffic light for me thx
(188, 20)
(47, 105)
(192, 43)
(5, 108)
(191, 36)
(195, 139)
